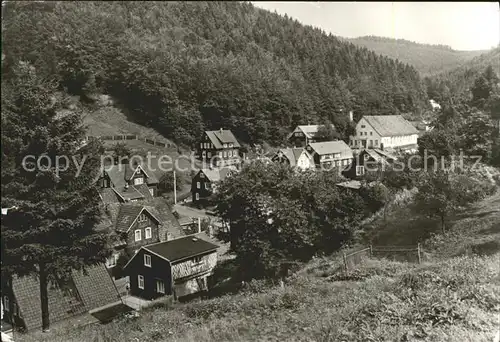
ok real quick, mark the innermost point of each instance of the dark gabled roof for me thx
(169, 224)
(108, 195)
(218, 174)
(121, 173)
(310, 131)
(220, 137)
(182, 248)
(390, 125)
(128, 214)
(143, 189)
(96, 289)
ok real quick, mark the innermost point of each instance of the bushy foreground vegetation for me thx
(454, 300)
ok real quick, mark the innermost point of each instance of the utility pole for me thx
(175, 189)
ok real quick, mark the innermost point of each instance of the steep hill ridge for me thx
(426, 58)
(182, 67)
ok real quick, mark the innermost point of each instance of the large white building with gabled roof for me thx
(384, 132)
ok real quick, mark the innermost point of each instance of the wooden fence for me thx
(396, 253)
(134, 137)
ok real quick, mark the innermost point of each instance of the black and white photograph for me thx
(238, 171)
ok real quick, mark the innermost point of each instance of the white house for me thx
(384, 132)
(330, 154)
(295, 157)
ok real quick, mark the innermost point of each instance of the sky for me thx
(461, 25)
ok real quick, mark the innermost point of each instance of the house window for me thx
(6, 305)
(140, 282)
(225, 145)
(207, 186)
(142, 218)
(376, 142)
(231, 145)
(138, 181)
(138, 236)
(112, 260)
(202, 175)
(147, 260)
(203, 153)
(201, 145)
(14, 308)
(220, 154)
(160, 286)
(224, 154)
(197, 260)
(363, 126)
(197, 196)
(198, 185)
(151, 191)
(229, 153)
(209, 154)
(147, 233)
(360, 170)
(371, 133)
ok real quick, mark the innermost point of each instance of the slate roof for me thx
(330, 147)
(182, 248)
(170, 226)
(390, 125)
(128, 214)
(218, 174)
(108, 195)
(96, 289)
(121, 173)
(220, 137)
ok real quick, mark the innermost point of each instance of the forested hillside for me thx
(427, 59)
(457, 82)
(182, 67)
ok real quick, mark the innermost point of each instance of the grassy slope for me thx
(427, 59)
(448, 299)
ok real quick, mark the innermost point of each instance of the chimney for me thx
(126, 186)
(221, 130)
(351, 119)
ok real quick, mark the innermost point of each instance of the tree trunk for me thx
(443, 224)
(44, 297)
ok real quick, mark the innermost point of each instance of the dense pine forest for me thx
(182, 67)
(426, 58)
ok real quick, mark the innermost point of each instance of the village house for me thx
(304, 134)
(368, 162)
(391, 132)
(294, 157)
(136, 225)
(219, 148)
(128, 182)
(330, 154)
(179, 267)
(204, 183)
(78, 295)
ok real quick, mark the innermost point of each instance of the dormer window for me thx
(138, 181)
(225, 145)
(230, 144)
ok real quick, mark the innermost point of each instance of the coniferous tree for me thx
(52, 231)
